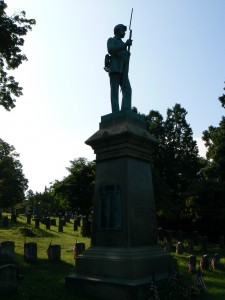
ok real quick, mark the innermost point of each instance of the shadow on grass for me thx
(43, 280)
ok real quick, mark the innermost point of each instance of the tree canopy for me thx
(12, 30)
(77, 188)
(13, 183)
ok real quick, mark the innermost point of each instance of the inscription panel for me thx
(110, 208)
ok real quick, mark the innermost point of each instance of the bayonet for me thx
(130, 35)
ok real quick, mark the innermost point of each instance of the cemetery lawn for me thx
(45, 280)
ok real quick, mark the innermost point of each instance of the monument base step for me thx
(109, 288)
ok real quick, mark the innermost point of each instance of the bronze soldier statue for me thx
(117, 65)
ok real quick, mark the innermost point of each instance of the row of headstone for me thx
(7, 251)
(204, 263)
(179, 236)
(180, 248)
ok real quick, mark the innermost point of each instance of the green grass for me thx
(46, 280)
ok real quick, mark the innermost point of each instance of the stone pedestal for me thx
(124, 253)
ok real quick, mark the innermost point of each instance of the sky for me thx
(177, 56)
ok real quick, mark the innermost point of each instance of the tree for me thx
(11, 31)
(13, 183)
(176, 161)
(214, 139)
(77, 188)
(222, 99)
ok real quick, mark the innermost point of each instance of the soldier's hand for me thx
(129, 42)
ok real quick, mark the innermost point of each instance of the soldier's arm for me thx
(115, 46)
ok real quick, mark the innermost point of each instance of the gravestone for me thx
(13, 217)
(190, 247)
(67, 217)
(75, 226)
(30, 252)
(124, 252)
(53, 222)
(37, 223)
(217, 257)
(192, 263)
(7, 251)
(78, 249)
(29, 219)
(5, 221)
(179, 248)
(9, 275)
(86, 227)
(54, 253)
(78, 220)
(60, 228)
(37, 211)
(204, 262)
(48, 223)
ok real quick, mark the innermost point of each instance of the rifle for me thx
(130, 35)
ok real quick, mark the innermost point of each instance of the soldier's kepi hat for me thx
(117, 27)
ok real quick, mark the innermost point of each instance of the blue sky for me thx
(177, 57)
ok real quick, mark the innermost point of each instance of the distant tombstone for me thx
(37, 223)
(9, 275)
(190, 247)
(30, 252)
(17, 213)
(48, 223)
(67, 217)
(75, 226)
(86, 228)
(5, 221)
(204, 262)
(29, 219)
(13, 217)
(204, 245)
(78, 221)
(60, 228)
(37, 211)
(7, 251)
(217, 257)
(54, 253)
(179, 248)
(192, 263)
(53, 222)
(221, 241)
(168, 247)
(78, 249)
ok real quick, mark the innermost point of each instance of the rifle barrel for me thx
(131, 18)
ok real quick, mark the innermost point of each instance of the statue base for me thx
(124, 254)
